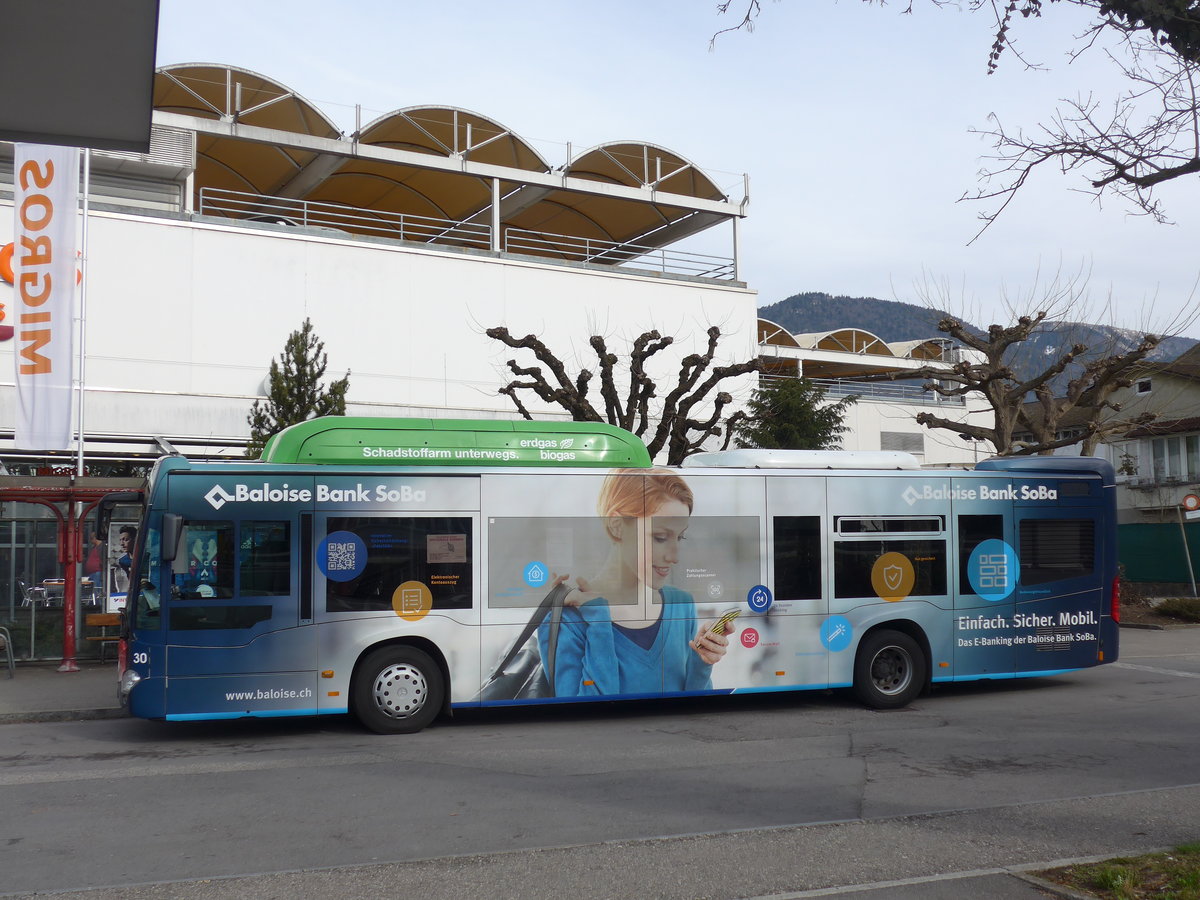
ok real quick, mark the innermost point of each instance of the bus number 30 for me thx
(140, 659)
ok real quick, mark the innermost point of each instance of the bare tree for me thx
(1124, 146)
(1173, 24)
(675, 422)
(1032, 410)
(1088, 396)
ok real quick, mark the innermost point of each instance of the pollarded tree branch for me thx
(677, 430)
(571, 395)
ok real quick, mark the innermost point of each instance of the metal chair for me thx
(32, 595)
(6, 646)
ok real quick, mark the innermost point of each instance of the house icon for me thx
(536, 574)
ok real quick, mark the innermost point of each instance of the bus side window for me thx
(973, 531)
(205, 568)
(1054, 549)
(264, 559)
(412, 565)
(854, 562)
(797, 557)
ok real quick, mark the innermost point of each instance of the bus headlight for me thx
(129, 680)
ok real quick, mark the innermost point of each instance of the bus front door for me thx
(398, 577)
(240, 640)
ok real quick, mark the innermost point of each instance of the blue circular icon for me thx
(536, 574)
(342, 556)
(993, 570)
(836, 632)
(759, 598)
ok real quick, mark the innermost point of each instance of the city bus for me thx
(400, 569)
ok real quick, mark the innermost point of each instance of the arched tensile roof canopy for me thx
(930, 348)
(605, 218)
(772, 334)
(775, 334)
(228, 94)
(846, 340)
(844, 353)
(441, 131)
(257, 136)
(449, 131)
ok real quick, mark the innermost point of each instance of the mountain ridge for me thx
(894, 320)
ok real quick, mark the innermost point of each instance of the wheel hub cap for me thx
(400, 691)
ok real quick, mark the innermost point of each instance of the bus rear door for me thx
(1061, 545)
(985, 580)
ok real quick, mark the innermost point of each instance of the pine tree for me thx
(789, 414)
(295, 393)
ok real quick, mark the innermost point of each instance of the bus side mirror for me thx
(172, 531)
(104, 509)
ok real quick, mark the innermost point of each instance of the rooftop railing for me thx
(635, 256)
(346, 219)
(349, 221)
(911, 394)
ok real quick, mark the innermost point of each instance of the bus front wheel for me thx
(398, 690)
(890, 670)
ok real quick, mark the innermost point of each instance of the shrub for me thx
(1185, 608)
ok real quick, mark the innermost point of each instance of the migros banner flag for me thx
(46, 192)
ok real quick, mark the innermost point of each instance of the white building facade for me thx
(402, 242)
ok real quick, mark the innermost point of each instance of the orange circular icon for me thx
(893, 577)
(412, 600)
(1191, 501)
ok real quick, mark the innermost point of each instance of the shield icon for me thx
(893, 576)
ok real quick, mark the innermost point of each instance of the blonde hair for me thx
(625, 497)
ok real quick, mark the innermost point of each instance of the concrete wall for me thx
(868, 419)
(184, 317)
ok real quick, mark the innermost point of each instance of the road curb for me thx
(62, 715)
(1053, 888)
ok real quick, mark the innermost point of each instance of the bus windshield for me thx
(142, 604)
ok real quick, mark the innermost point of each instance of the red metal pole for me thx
(70, 538)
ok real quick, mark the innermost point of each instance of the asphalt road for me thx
(730, 797)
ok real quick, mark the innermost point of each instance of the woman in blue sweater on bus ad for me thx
(625, 630)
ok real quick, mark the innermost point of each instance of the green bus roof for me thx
(351, 440)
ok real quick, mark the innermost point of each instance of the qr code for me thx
(342, 556)
(993, 571)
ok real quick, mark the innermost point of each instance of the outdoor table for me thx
(55, 587)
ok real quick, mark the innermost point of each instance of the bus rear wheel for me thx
(398, 690)
(890, 670)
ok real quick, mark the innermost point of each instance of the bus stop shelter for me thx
(71, 500)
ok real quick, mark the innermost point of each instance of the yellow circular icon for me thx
(412, 600)
(893, 577)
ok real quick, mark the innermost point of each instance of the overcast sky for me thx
(851, 121)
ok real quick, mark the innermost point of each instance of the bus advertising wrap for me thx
(398, 594)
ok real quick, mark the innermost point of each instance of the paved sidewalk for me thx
(40, 693)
